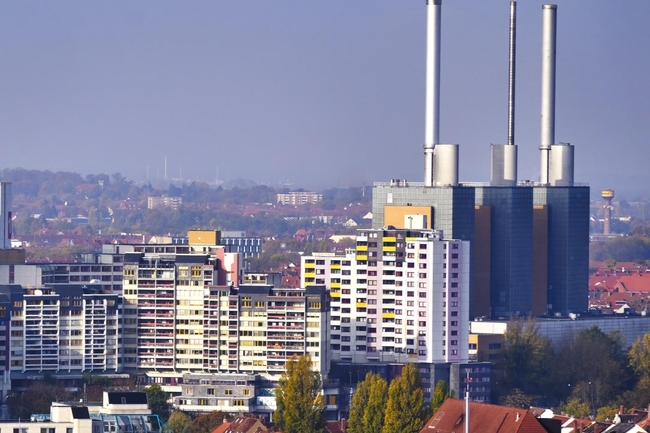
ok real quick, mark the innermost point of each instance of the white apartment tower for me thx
(399, 296)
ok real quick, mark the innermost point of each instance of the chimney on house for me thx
(621, 410)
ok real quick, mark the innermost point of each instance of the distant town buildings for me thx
(164, 201)
(299, 197)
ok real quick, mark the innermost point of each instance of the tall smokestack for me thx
(511, 73)
(503, 158)
(432, 109)
(549, 27)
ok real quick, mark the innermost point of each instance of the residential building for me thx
(67, 330)
(164, 201)
(242, 424)
(400, 296)
(452, 417)
(224, 392)
(296, 198)
(241, 347)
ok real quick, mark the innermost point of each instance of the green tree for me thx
(358, 405)
(373, 418)
(405, 407)
(577, 408)
(440, 394)
(36, 399)
(158, 401)
(518, 399)
(597, 383)
(208, 422)
(607, 412)
(639, 396)
(298, 397)
(639, 355)
(525, 357)
(179, 422)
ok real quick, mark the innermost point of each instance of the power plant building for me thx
(529, 240)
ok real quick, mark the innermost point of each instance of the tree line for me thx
(376, 406)
(590, 373)
(621, 249)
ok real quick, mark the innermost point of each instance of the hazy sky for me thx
(318, 93)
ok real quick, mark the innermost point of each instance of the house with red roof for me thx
(242, 424)
(483, 418)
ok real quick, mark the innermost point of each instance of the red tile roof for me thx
(241, 424)
(483, 418)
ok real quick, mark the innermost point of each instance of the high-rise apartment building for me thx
(64, 330)
(400, 296)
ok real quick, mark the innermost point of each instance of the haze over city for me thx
(315, 93)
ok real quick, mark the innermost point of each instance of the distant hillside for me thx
(44, 200)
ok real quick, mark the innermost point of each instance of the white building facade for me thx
(399, 296)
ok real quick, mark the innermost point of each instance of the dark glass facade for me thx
(568, 246)
(511, 247)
